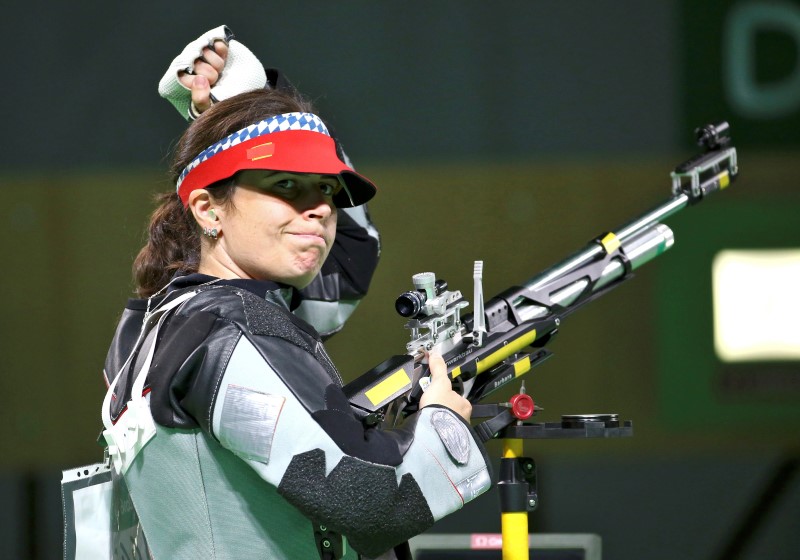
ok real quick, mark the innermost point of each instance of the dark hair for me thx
(173, 239)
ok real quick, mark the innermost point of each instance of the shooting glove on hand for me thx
(242, 72)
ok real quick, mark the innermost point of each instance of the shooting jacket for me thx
(257, 445)
(257, 452)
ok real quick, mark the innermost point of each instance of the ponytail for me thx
(173, 246)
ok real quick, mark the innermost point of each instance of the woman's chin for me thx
(303, 278)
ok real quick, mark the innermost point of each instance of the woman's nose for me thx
(318, 205)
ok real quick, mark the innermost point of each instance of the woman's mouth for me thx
(313, 237)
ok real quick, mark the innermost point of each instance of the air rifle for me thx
(507, 335)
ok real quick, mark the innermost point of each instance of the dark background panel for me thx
(414, 80)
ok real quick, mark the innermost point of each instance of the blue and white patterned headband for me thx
(278, 123)
(293, 142)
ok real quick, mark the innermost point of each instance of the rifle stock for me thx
(506, 337)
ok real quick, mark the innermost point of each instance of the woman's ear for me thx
(203, 211)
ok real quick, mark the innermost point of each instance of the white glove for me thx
(242, 71)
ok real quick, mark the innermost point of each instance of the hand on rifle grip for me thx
(440, 391)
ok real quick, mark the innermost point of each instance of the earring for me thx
(212, 233)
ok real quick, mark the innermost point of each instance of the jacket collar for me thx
(275, 292)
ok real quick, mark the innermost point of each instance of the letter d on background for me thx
(745, 94)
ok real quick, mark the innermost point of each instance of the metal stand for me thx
(517, 483)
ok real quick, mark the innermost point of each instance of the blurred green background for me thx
(512, 132)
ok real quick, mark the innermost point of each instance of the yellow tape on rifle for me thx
(610, 242)
(724, 179)
(388, 387)
(522, 366)
(512, 347)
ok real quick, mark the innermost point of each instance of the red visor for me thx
(296, 151)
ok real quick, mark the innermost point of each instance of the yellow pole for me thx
(514, 523)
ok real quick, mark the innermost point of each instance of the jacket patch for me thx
(454, 435)
(248, 422)
(358, 499)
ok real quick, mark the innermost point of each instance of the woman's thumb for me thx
(437, 366)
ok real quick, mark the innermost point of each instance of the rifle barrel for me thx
(641, 240)
(594, 250)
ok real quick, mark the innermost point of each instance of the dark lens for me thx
(410, 303)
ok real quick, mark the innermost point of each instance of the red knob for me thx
(522, 406)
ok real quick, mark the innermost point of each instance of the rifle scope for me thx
(412, 303)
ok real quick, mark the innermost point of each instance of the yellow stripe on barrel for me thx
(511, 348)
(610, 243)
(724, 179)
